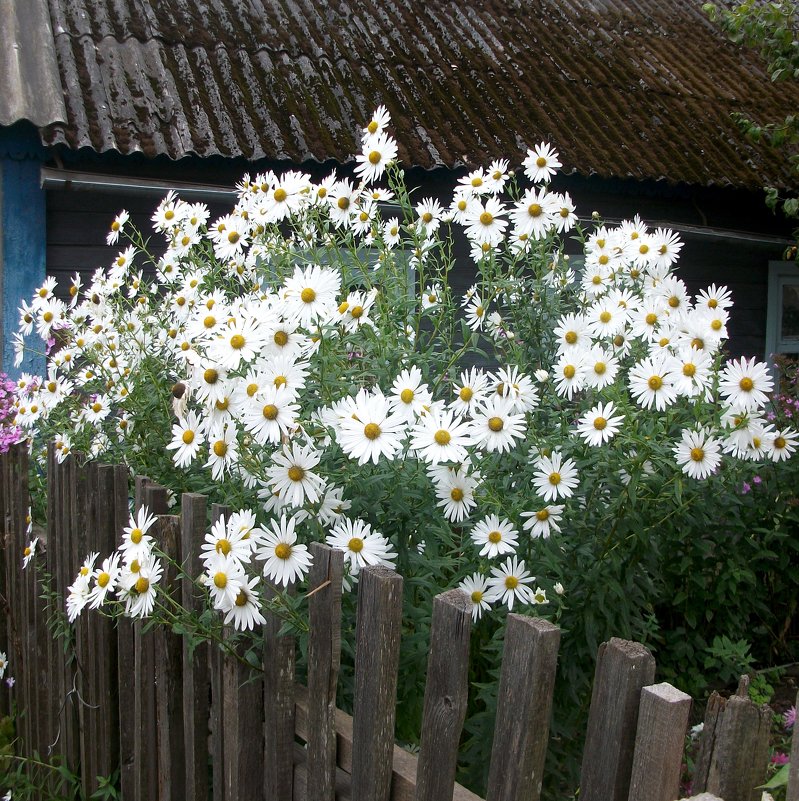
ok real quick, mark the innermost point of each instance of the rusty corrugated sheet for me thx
(641, 89)
(30, 87)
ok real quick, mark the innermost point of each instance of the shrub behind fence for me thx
(183, 722)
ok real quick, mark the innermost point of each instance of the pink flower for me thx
(779, 759)
(746, 488)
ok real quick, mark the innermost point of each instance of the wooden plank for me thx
(623, 669)
(196, 680)
(404, 764)
(5, 701)
(792, 791)
(733, 752)
(126, 686)
(169, 674)
(146, 742)
(216, 717)
(524, 707)
(342, 787)
(377, 640)
(659, 743)
(324, 657)
(279, 724)
(446, 695)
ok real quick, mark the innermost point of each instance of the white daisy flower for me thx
(29, 551)
(543, 521)
(227, 538)
(105, 579)
(745, 384)
(782, 443)
(476, 587)
(651, 382)
(188, 434)
(495, 537)
(224, 577)
(285, 560)
(495, 424)
(598, 425)
(541, 163)
(698, 453)
(291, 474)
(471, 388)
(136, 542)
(554, 477)
(378, 151)
(371, 430)
(436, 438)
(361, 545)
(245, 612)
(455, 492)
(509, 581)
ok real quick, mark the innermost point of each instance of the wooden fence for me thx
(198, 723)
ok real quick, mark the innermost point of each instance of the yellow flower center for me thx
(233, 237)
(466, 394)
(308, 295)
(540, 162)
(135, 535)
(779, 442)
(357, 312)
(655, 383)
(220, 580)
(283, 550)
(97, 407)
(495, 537)
(554, 479)
(241, 598)
(511, 582)
(688, 370)
(142, 585)
(371, 431)
(27, 551)
(355, 544)
(442, 437)
(280, 338)
(496, 424)
(643, 249)
(605, 317)
(220, 448)
(716, 325)
(477, 181)
(486, 218)
(237, 342)
(210, 376)
(223, 546)
(746, 384)
(535, 210)
(270, 411)
(570, 337)
(456, 493)
(280, 380)
(296, 473)
(651, 318)
(600, 368)
(477, 596)
(343, 203)
(712, 303)
(251, 390)
(103, 579)
(697, 454)
(374, 157)
(223, 404)
(569, 371)
(280, 195)
(407, 395)
(674, 302)
(542, 515)
(372, 127)
(600, 423)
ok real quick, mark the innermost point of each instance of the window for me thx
(782, 320)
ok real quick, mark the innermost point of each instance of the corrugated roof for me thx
(30, 88)
(641, 89)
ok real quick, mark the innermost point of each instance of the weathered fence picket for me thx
(181, 720)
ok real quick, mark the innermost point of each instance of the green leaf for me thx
(779, 779)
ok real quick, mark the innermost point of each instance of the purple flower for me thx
(757, 480)
(789, 718)
(746, 488)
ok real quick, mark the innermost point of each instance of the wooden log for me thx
(659, 743)
(623, 669)
(404, 764)
(302, 781)
(5, 701)
(733, 752)
(524, 707)
(169, 674)
(196, 681)
(324, 657)
(792, 791)
(279, 705)
(377, 640)
(445, 695)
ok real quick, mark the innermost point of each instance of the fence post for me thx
(445, 696)
(623, 669)
(377, 638)
(279, 658)
(733, 752)
(324, 656)
(659, 743)
(169, 674)
(196, 681)
(524, 706)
